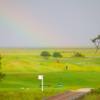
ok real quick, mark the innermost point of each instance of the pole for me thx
(40, 77)
(42, 85)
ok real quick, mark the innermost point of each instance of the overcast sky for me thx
(48, 23)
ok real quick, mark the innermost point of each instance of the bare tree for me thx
(96, 42)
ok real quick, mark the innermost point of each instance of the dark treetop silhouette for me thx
(96, 42)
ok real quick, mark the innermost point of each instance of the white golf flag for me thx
(40, 77)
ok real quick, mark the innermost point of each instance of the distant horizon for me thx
(45, 47)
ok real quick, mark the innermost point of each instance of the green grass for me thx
(24, 85)
(30, 63)
(53, 80)
(22, 66)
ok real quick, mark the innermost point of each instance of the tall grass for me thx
(94, 95)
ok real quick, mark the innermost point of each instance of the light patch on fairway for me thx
(79, 63)
(22, 88)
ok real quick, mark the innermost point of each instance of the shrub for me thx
(78, 54)
(45, 54)
(2, 75)
(57, 55)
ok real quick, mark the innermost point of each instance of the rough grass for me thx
(26, 94)
(94, 95)
(30, 63)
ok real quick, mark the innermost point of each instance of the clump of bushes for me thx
(2, 75)
(45, 54)
(94, 95)
(57, 55)
(96, 91)
(78, 54)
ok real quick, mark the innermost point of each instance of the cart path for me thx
(71, 95)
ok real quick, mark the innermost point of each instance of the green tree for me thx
(57, 55)
(45, 54)
(96, 42)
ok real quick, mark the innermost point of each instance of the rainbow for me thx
(25, 25)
